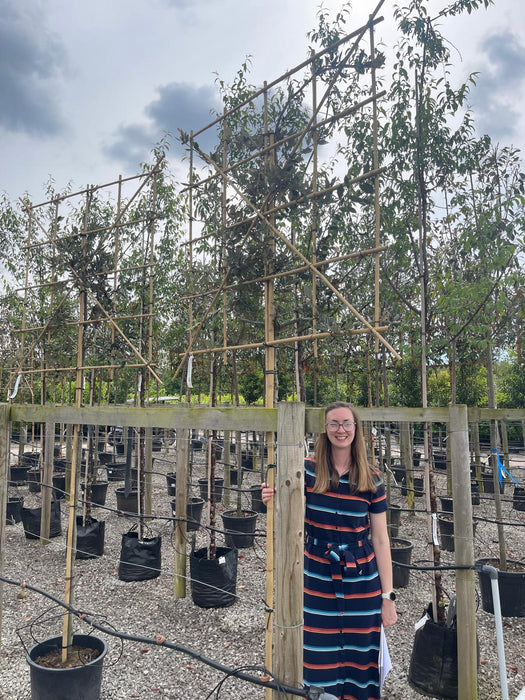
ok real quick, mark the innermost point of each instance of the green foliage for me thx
(511, 384)
(251, 382)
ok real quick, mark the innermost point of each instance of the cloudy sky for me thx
(87, 88)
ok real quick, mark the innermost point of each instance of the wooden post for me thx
(47, 478)
(4, 466)
(289, 545)
(464, 553)
(406, 460)
(181, 499)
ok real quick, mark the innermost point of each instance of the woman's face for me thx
(340, 427)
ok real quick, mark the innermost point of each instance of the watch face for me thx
(392, 596)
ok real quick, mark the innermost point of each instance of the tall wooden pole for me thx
(464, 554)
(67, 630)
(289, 519)
(269, 389)
(181, 499)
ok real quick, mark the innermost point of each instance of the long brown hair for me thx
(361, 474)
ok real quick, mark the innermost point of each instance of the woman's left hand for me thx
(388, 613)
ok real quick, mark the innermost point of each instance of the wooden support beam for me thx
(289, 545)
(181, 499)
(464, 554)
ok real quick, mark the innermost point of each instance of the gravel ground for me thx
(233, 636)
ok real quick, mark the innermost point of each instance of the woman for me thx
(348, 567)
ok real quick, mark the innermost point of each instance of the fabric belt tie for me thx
(341, 555)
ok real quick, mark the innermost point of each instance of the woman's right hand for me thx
(267, 493)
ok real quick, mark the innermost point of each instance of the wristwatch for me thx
(389, 596)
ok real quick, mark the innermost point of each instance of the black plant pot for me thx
(401, 551)
(13, 513)
(33, 480)
(395, 519)
(31, 521)
(105, 457)
(447, 504)
(440, 459)
(99, 492)
(30, 459)
(446, 530)
(194, 508)
(81, 682)
(518, 498)
(171, 482)
(90, 539)
(213, 581)
(127, 503)
(59, 486)
(416, 458)
(433, 666)
(140, 560)
(59, 465)
(418, 487)
(488, 484)
(257, 503)
(511, 588)
(116, 471)
(240, 530)
(203, 487)
(17, 475)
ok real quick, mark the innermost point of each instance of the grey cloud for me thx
(179, 105)
(30, 59)
(502, 77)
(132, 145)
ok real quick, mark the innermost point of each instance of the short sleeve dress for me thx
(342, 591)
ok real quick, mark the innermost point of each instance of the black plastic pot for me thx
(401, 551)
(247, 460)
(488, 484)
(440, 459)
(31, 521)
(59, 486)
(99, 492)
(433, 666)
(395, 519)
(116, 471)
(17, 475)
(105, 457)
(446, 530)
(511, 589)
(140, 560)
(13, 513)
(257, 503)
(203, 487)
(129, 503)
(171, 482)
(240, 530)
(90, 539)
(213, 581)
(418, 487)
(447, 504)
(518, 498)
(416, 458)
(194, 508)
(30, 459)
(80, 682)
(33, 480)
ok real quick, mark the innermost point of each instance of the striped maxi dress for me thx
(342, 591)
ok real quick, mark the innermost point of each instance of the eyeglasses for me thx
(333, 426)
